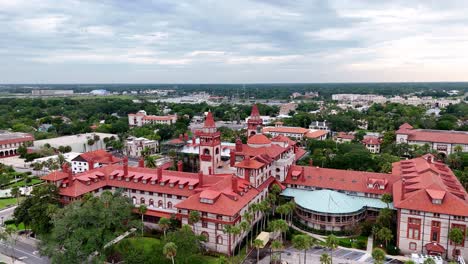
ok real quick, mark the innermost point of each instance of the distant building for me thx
(99, 92)
(134, 146)
(68, 157)
(51, 92)
(372, 144)
(142, 118)
(44, 127)
(286, 108)
(320, 125)
(343, 137)
(442, 141)
(78, 143)
(92, 159)
(298, 133)
(11, 141)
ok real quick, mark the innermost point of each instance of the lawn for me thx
(359, 242)
(19, 227)
(21, 183)
(8, 201)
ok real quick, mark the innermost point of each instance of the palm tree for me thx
(236, 231)
(150, 161)
(458, 148)
(170, 251)
(282, 210)
(325, 259)
(384, 234)
(164, 224)
(142, 210)
(254, 208)
(387, 198)
(378, 255)
(263, 207)
(228, 230)
(277, 246)
(245, 227)
(281, 226)
(248, 218)
(303, 242)
(290, 209)
(91, 142)
(258, 244)
(331, 243)
(194, 217)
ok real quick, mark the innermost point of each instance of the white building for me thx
(134, 146)
(91, 160)
(142, 118)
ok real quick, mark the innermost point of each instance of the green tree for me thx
(142, 210)
(456, 236)
(277, 246)
(281, 226)
(170, 251)
(10, 236)
(194, 218)
(164, 224)
(258, 244)
(387, 198)
(95, 221)
(36, 210)
(15, 192)
(378, 255)
(429, 261)
(331, 242)
(150, 161)
(303, 242)
(384, 234)
(410, 262)
(325, 259)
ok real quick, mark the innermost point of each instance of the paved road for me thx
(7, 213)
(23, 251)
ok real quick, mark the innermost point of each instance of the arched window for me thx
(206, 151)
(142, 200)
(278, 169)
(160, 204)
(134, 200)
(217, 151)
(219, 240)
(206, 235)
(151, 203)
(169, 205)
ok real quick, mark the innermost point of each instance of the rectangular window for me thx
(169, 196)
(205, 224)
(435, 231)
(414, 228)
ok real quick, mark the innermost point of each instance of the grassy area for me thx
(359, 242)
(8, 201)
(21, 183)
(19, 227)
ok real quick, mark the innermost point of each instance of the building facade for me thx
(141, 118)
(134, 146)
(442, 141)
(11, 141)
(372, 144)
(91, 160)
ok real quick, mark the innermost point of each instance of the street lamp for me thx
(2, 220)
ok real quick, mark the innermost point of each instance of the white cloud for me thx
(42, 24)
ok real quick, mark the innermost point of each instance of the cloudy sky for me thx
(66, 41)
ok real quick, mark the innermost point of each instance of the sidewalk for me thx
(7, 259)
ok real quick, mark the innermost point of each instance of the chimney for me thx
(200, 179)
(303, 174)
(90, 165)
(186, 137)
(194, 140)
(234, 183)
(295, 148)
(238, 145)
(311, 162)
(125, 165)
(66, 169)
(141, 163)
(210, 170)
(232, 158)
(159, 174)
(180, 166)
(181, 137)
(246, 175)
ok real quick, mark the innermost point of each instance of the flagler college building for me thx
(428, 198)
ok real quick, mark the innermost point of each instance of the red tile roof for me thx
(345, 135)
(255, 112)
(258, 139)
(283, 129)
(209, 121)
(273, 151)
(346, 180)
(371, 141)
(429, 135)
(55, 176)
(283, 138)
(316, 134)
(100, 156)
(423, 180)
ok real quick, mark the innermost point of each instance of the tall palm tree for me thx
(277, 246)
(384, 234)
(247, 216)
(194, 217)
(254, 208)
(282, 210)
(245, 227)
(332, 243)
(291, 207)
(281, 226)
(170, 251)
(325, 259)
(236, 231)
(150, 161)
(164, 224)
(142, 210)
(228, 230)
(303, 242)
(258, 244)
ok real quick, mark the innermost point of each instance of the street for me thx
(24, 250)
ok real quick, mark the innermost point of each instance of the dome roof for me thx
(258, 139)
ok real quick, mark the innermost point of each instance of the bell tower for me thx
(254, 123)
(210, 146)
